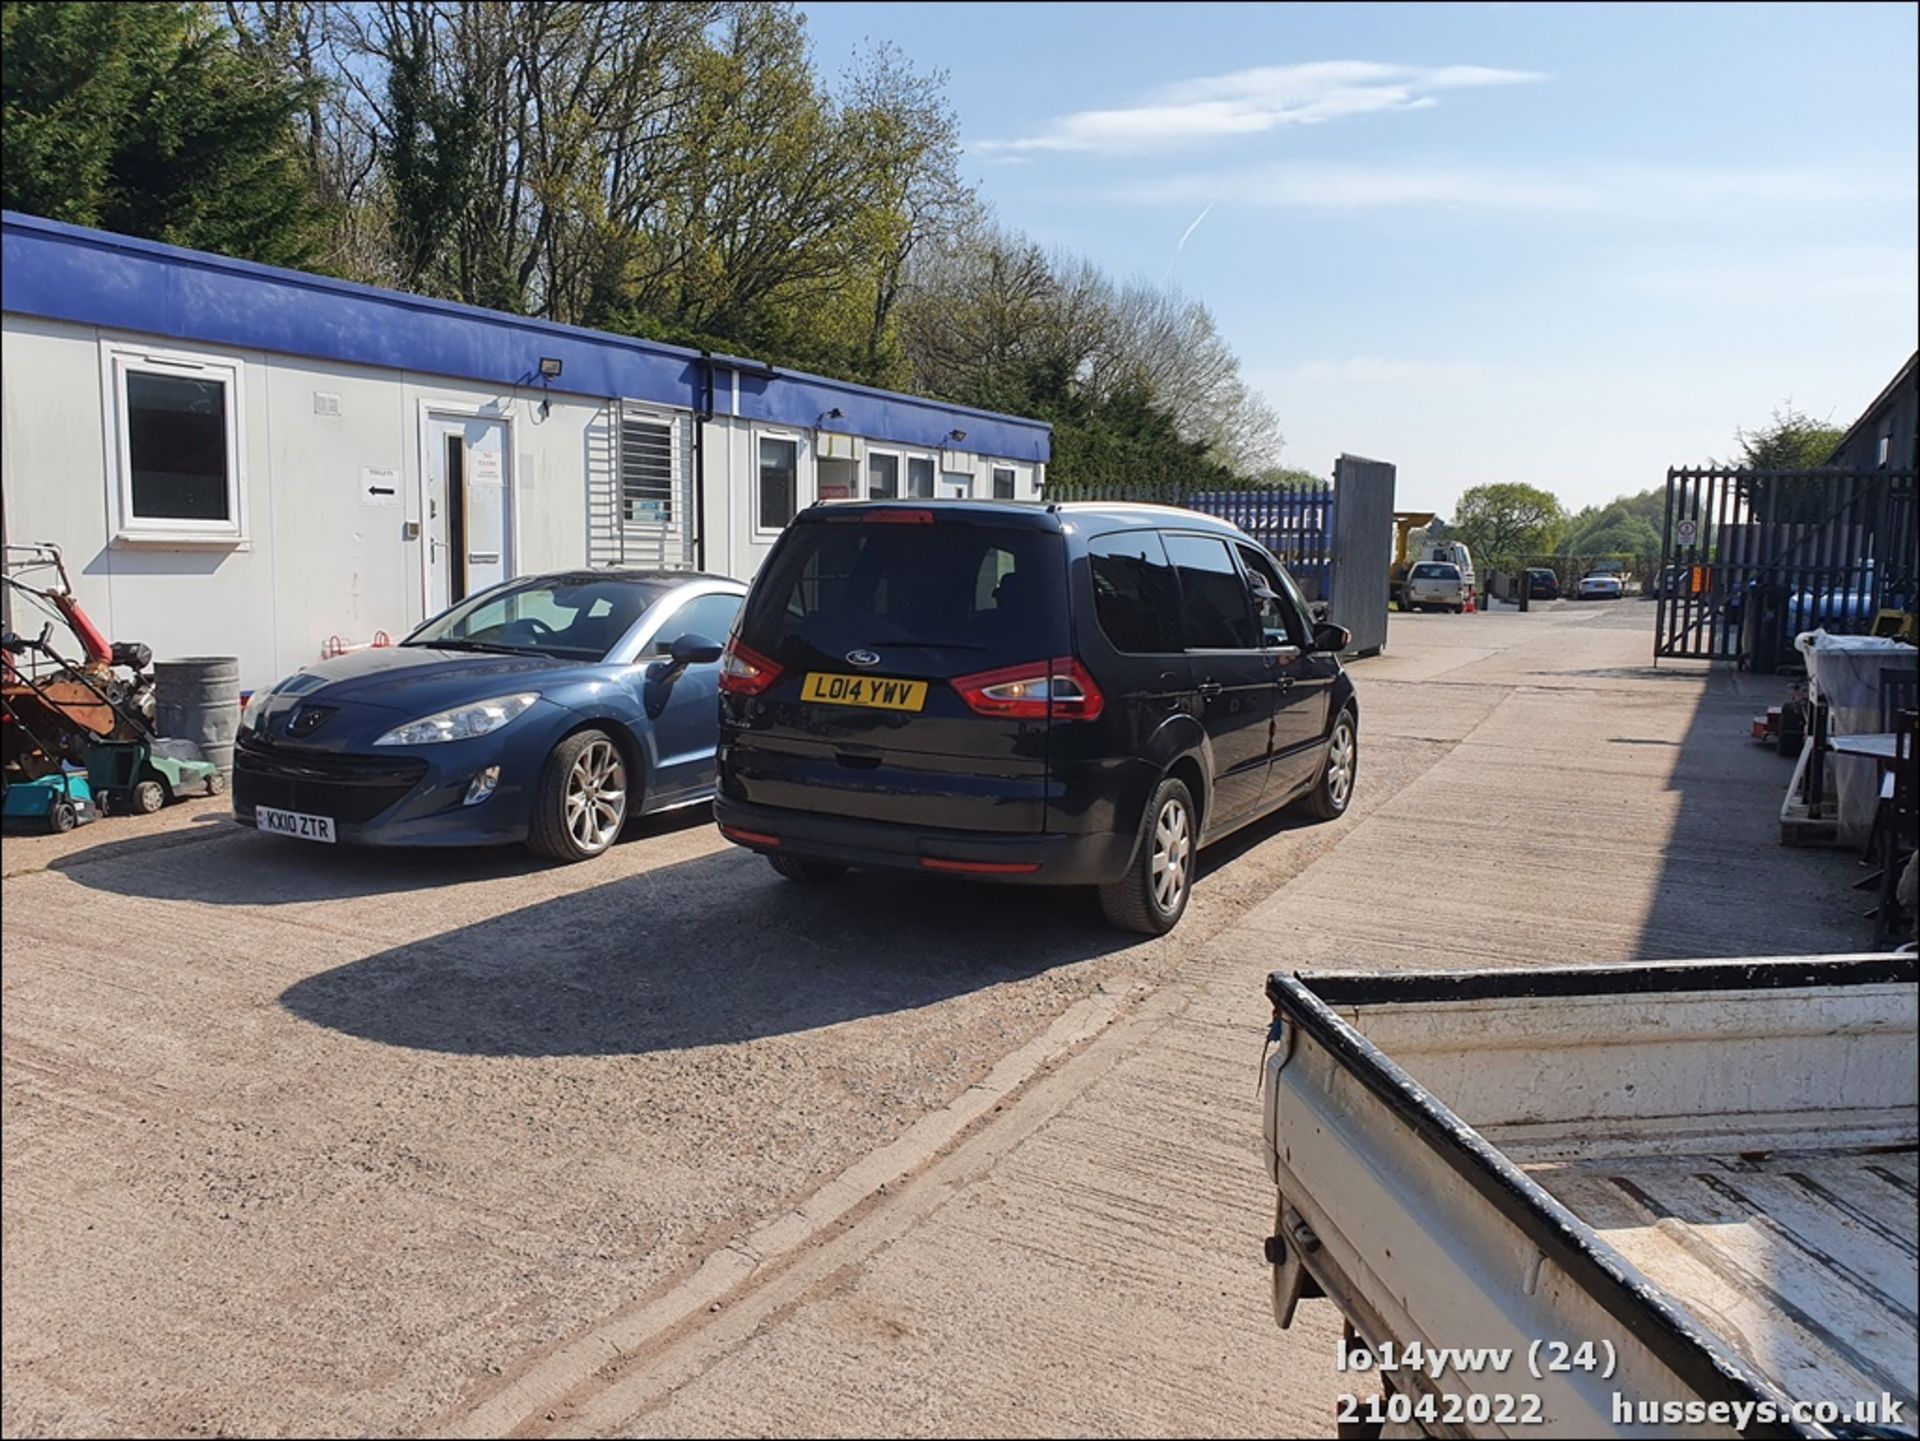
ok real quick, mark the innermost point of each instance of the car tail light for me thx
(898, 517)
(744, 671)
(1059, 688)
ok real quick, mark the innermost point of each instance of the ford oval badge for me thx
(862, 657)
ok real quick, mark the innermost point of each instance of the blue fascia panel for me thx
(90, 277)
(802, 401)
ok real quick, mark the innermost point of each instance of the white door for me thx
(468, 522)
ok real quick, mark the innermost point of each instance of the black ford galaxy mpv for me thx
(1067, 695)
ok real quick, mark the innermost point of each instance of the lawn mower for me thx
(82, 730)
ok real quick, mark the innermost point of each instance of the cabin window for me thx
(779, 483)
(176, 446)
(1002, 482)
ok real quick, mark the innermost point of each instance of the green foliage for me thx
(1627, 526)
(1503, 524)
(145, 119)
(1790, 441)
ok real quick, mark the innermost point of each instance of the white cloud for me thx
(1252, 102)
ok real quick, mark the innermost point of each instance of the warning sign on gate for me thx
(1687, 532)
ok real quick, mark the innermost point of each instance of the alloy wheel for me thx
(1340, 764)
(1172, 855)
(596, 797)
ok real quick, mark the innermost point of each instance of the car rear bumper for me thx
(1097, 858)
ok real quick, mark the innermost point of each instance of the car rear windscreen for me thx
(994, 593)
(1436, 572)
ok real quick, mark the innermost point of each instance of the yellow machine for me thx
(1898, 625)
(1405, 523)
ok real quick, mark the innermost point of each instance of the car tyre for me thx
(806, 870)
(1332, 793)
(1152, 896)
(582, 800)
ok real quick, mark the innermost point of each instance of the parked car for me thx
(1600, 585)
(1077, 695)
(1434, 584)
(1542, 584)
(548, 709)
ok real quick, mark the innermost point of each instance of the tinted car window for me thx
(1436, 572)
(576, 616)
(1134, 593)
(707, 615)
(1281, 622)
(999, 592)
(1215, 611)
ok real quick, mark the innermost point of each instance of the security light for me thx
(549, 367)
(956, 436)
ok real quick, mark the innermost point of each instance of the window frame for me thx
(1173, 579)
(801, 500)
(1288, 595)
(899, 460)
(1246, 595)
(118, 359)
(932, 464)
(624, 412)
(670, 628)
(1012, 473)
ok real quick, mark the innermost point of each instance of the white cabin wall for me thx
(317, 560)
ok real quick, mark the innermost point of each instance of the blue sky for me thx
(1558, 244)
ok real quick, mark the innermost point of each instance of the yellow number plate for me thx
(874, 691)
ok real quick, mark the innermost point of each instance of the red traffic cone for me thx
(1470, 605)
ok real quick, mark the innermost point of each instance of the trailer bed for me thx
(1804, 1262)
(1707, 1169)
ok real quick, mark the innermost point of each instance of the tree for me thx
(1790, 441)
(1504, 524)
(149, 119)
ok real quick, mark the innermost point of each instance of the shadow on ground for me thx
(237, 866)
(713, 950)
(1728, 887)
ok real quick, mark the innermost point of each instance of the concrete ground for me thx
(312, 1141)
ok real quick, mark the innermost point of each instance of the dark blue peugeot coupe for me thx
(548, 710)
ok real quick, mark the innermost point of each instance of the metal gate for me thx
(1750, 558)
(1295, 525)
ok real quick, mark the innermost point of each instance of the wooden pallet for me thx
(1799, 825)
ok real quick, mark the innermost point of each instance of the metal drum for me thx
(198, 699)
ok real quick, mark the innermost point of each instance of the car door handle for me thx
(1209, 689)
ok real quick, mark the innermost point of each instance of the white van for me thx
(1450, 552)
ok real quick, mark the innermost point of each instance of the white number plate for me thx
(293, 823)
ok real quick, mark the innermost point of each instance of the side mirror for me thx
(1330, 637)
(694, 649)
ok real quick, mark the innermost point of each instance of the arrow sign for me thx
(379, 487)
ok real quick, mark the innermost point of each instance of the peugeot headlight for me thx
(463, 722)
